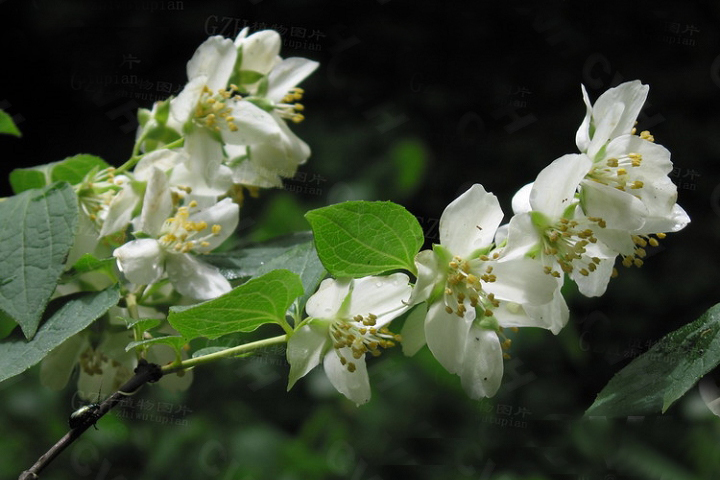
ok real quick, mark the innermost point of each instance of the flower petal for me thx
(384, 296)
(157, 204)
(305, 348)
(482, 365)
(354, 385)
(195, 278)
(555, 186)
(141, 261)
(260, 51)
(521, 280)
(225, 214)
(413, 331)
(521, 199)
(553, 315)
(213, 59)
(620, 210)
(329, 297)
(470, 221)
(288, 74)
(446, 336)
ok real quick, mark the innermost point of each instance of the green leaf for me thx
(16, 356)
(89, 263)
(656, 379)
(40, 229)
(22, 179)
(294, 252)
(409, 158)
(245, 262)
(359, 238)
(176, 342)
(262, 300)
(7, 125)
(71, 169)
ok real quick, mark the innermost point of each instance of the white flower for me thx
(173, 240)
(347, 319)
(473, 292)
(614, 114)
(549, 226)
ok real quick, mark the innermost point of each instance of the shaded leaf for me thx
(16, 356)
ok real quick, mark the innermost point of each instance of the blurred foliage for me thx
(413, 102)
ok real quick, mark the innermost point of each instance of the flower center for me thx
(566, 241)
(463, 287)
(95, 193)
(215, 110)
(618, 172)
(289, 108)
(361, 336)
(641, 243)
(180, 235)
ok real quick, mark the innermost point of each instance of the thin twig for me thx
(145, 372)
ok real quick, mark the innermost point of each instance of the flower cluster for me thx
(584, 210)
(225, 131)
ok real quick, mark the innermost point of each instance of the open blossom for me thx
(473, 291)
(627, 182)
(173, 241)
(243, 92)
(549, 225)
(348, 319)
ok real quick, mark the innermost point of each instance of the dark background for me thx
(412, 102)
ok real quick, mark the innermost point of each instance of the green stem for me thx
(229, 352)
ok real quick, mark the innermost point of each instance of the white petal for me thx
(521, 280)
(674, 222)
(553, 315)
(194, 278)
(226, 214)
(620, 210)
(595, 284)
(446, 336)
(329, 297)
(260, 51)
(470, 221)
(656, 161)
(582, 137)
(429, 274)
(482, 366)
(604, 126)
(214, 59)
(354, 385)
(141, 261)
(255, 125)
(157, 204)
(413, 331)
(162, 159)
(631, 95)
(182, 107)
(384, 296)
(288, 74)
(305, 348)
(521, 199)
(555, 186)
(120, 211)
(522, 237)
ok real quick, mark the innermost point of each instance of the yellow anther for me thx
(637, 184)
